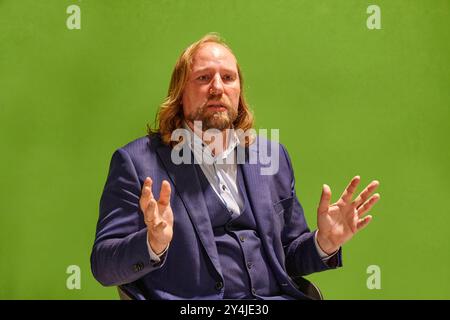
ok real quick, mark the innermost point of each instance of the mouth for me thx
(216, 107)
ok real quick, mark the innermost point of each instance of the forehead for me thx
(213, 55)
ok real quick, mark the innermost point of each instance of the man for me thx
(213, 229)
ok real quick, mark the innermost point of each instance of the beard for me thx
(212, 119)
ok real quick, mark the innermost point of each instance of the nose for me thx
(216, 85)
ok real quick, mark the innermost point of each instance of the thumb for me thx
(324, 199)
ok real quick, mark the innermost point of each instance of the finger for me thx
(348, 192)
(146, 193)
(368, 204)
(148, 183)
(362, 223)
(151, 216)
(364, 195)
(324, 199)
(164, 195)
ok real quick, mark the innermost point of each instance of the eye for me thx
(203, 78)
(228, 77)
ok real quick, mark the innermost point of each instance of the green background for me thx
(347, 100)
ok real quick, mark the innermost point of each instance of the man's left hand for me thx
(339, 222)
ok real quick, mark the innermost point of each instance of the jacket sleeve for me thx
(302, 256)
(120, 254)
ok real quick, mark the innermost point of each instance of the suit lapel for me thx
(187, 186)
(258, 193)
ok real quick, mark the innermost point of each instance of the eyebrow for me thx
(209, 69)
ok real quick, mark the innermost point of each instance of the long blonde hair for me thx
(170, 114)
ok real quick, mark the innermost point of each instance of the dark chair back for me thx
(308, 288)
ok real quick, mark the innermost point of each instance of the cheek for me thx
(192, 98)
(189, 100)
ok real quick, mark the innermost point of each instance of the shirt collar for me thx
(201, 149)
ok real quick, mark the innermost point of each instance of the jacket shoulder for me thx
(141, 145)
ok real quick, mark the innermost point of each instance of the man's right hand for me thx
(158, 215)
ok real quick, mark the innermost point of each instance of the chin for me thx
(218, 124)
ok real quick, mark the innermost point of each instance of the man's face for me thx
(211, 94)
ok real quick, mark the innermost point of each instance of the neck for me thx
(211, 138)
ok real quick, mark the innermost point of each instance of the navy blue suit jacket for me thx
(191, 268)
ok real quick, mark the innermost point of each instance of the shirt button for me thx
(249, 265)
(219, 285)
(224, 187)
(138, 267)
(253, 291)
(242, 238)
